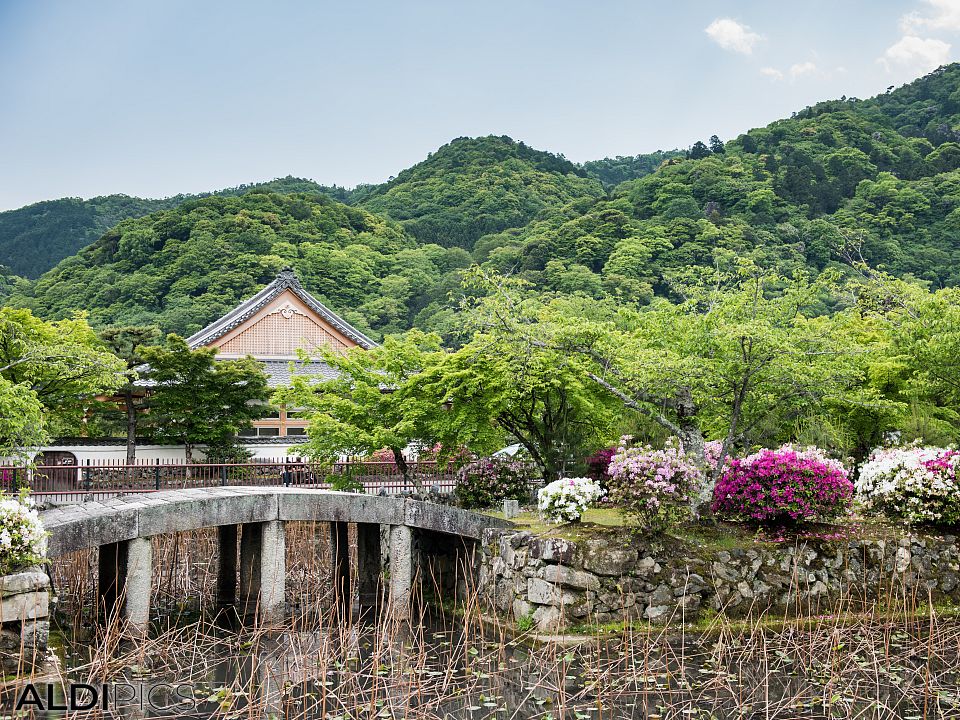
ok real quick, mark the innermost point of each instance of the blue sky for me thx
(156, 98)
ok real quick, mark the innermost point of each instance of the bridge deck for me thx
(91, 524)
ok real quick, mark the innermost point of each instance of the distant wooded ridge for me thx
(878, 175)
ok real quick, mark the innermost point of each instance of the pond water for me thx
(447, 668)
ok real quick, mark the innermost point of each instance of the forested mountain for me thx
(183, 267)
(880, 175)
(475, 186)
(35, 238)
(790, 194)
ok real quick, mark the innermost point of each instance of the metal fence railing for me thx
(98, 480)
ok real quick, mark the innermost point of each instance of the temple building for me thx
(271, 327)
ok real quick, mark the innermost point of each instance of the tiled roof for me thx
(279, 372)
(286, 280)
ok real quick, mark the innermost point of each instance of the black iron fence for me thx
(101, 479)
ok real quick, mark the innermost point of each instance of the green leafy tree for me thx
(698, 151)
(196, 399)
(49, 374)
(370, 404)
(128, 343)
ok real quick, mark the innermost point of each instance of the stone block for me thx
(212, 510)
(553, 550)
(29, 580)
(568, 577)
(521, 608)
(548, 618)
(602, 559)
(25, 606)
(542, 592)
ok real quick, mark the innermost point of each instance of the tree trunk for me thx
(188, 456)
(131, 424)
(691, 437)
(404, 469)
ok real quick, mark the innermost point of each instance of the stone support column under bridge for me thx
(125, 581)
(263, 571)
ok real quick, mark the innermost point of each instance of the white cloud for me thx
(916, 54)
(941, 15)
(732, 35)
(798, 70)
(771, 73)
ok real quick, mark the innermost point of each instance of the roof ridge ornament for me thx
(288, 278)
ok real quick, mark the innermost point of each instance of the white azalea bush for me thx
(23, 541)
(913, 484)
(566, 499)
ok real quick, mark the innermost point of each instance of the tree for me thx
(128, 343)
(197, 399)
(716, 145)
(698, 151)
(370, 404)
(502, 385)
(49, 373)
(738, 351)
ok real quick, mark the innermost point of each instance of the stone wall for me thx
(24, 619)
(612, 576)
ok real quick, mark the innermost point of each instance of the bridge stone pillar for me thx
(401, 570)
(369, 565)
(125, 581)
(340, 566)
(263, 571)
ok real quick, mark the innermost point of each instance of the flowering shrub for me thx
(784, 485)
(23, 540)
(565, 500)
(485, 482)
(383, 455)
(598, 465)
(915, 484)
(711, 451)
(651, 485)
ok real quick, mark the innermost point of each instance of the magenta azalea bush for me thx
(598, 465)
(652, 486)
(783, 486)
(488, 481)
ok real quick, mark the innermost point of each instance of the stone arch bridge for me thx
(122, 527)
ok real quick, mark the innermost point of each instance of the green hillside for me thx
(881, 176)
(35, 238)
(183, 267)
(476, 186)
(790, 195)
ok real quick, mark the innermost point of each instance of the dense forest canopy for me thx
(35, 238)
(475, 186)
(879, 178)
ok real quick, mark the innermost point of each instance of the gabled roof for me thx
(286, 280)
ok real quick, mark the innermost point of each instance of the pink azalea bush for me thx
(711, 451)
(487, 481)
(786, 485)
(652, 486)
(913, 484)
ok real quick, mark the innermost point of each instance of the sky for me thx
(182, 96)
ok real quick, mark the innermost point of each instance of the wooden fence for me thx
(98, 480)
